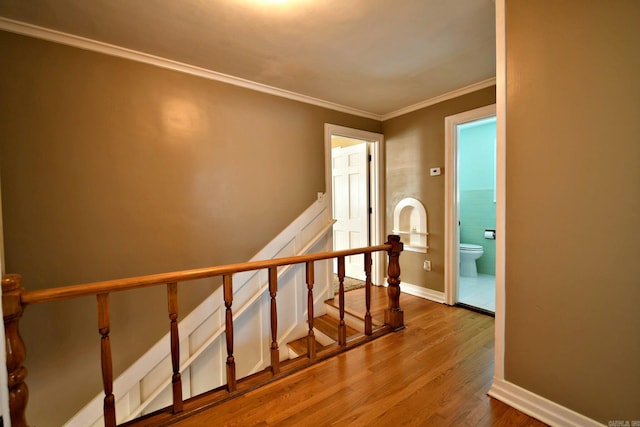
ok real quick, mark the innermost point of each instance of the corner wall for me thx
(572, 333)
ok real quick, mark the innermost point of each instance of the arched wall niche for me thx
(410, 222)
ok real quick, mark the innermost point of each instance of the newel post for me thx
(15, 349)
(393, 315)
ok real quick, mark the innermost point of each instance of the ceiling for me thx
(375, 56)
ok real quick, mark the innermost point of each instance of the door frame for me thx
(376, 188)
(451, 208)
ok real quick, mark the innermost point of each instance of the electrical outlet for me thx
(427, 265)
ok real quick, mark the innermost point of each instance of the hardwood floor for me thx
(436, 372)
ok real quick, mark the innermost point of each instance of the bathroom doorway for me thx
(470, 228)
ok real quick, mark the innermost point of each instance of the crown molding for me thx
(440, 98)
(47, 34)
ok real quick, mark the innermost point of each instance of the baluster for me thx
(227, 283)
(15, 349)
(311, 339)
(342, 327)
(105, 356)
(273, 289)
(393, 315)
(176, 380)
(368, 324)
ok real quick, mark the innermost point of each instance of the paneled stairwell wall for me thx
(146, 385)
(112, 168)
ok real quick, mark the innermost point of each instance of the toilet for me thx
(468, 255)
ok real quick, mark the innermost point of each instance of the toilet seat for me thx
(470, 247)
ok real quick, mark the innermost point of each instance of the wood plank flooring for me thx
(436, 372)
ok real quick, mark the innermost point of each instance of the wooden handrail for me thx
(15, 298)
(118, 285)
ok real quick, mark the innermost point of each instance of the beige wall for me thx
(573, 204)
(415, 143)
(112, 168)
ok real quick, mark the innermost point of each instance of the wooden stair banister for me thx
(368, 321)
(342, 326)
(15, 299)
(227, 282)
(176, 378)
(275, 351)
(12, 309)
(311, 339)
(105, 357)
(393, 315)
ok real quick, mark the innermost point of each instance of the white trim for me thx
(440, 98)
(419, 291)
(501, 164)
(43, 33)
(121, 52)
(451, 214)
(377, 186)
(537, 406)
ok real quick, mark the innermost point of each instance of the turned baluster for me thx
(368, 323)
(273, 289)
(176, 380)
(393, 315)
(15, 349)
(227, 284)
(311, 339)
(342, 326)
(105, 356)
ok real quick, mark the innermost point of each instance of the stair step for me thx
(353, 320)
(326, 335)
(326, 330)
(298, 347)
(328, 325)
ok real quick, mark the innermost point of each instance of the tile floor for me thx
(478, 291)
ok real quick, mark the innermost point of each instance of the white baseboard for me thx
(421, 292)
(537, 406)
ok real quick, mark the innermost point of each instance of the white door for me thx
(350, 177)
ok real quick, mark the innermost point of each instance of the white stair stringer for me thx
(145, 386)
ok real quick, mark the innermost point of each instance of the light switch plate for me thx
(434, 171)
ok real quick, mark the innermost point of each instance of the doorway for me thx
(470, 209)
(350, 200)
(354, 187)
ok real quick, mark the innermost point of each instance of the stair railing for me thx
(15, 298)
